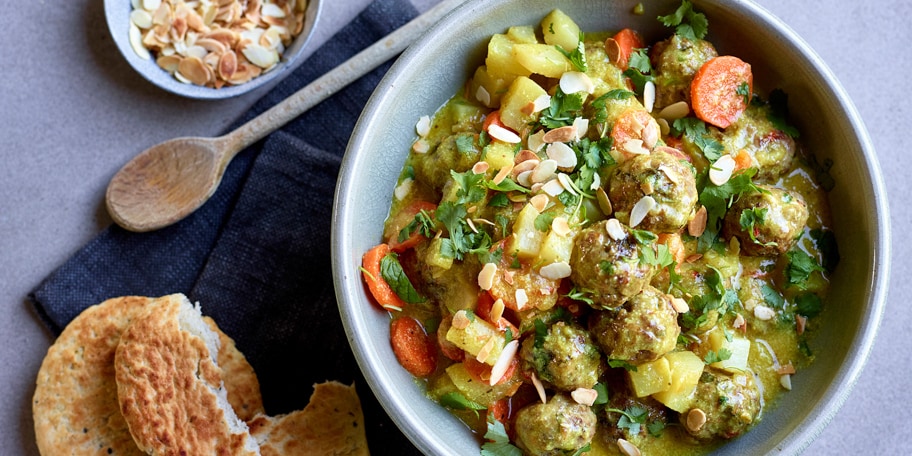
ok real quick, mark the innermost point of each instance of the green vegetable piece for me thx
(393, 274)
(497, 442)
(800, 267)
(687, 22)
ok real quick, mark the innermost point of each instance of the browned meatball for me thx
(663, 177)
(555, 427)
(730, 404)
(772, 151)
(643, 330)
(609, 269)
(766, 222)
(675, 61)
(564, 356)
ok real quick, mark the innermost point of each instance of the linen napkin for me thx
(257, 255)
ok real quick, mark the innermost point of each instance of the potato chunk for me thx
(558, 29)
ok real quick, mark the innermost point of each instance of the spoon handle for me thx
(333, 81)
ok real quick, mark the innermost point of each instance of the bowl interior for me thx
(117, 14)
(436, 67)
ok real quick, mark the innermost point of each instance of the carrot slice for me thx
(742, 160)
(714, 92)
(620, 46)
(413, 348)
(629, 125)
(493, 118)
(402, 219)
(382, 292)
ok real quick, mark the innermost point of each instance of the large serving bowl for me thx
(435, 68)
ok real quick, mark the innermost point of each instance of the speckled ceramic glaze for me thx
(436, 67)
(117, 14)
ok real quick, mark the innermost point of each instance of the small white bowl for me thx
(434, 68)
(117, 14)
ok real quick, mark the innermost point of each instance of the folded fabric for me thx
(257, 255)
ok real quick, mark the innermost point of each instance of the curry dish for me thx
(606, 246)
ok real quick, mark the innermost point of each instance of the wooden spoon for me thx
(169, 181)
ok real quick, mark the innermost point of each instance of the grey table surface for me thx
(72, 112)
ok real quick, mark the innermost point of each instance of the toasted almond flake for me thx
(271, 9)
(649, 95)
(524, 178)
(679, 305)
(584, 396)
(555, 271)
(603, 201)
(675, 111)
(502, 134)
(582, 127)
(697, 224)
(485, 351)
(641, 209)
(562, 154)
(421, 146)
(194, 70)
(480, 167)
(739, 321)
(567, 183)
(528, 109)
(786, 381)
(664, 127)
(503, 362)
(786, 369)
(402, 190)
(764, 313)
(612, 50)
(423, 126)
(539, 388)
(615, 230)
(142, 18)
(521, 298)
(634, 147)
(627, 448)
(525, 155)
(136, 42)
(575, 81)
(227, 65)
(482, 95)
(800, 324)
(196, 51)
(596, 182)
(693, 257)
(670, 174)
(721, 171)
(541, 103)
(461, 320)
(544, 171)
(535, 141)
(502, 174)
(560, 135)
(151, 5)
(650, 134)
(497, 310)
(646, 187)
(260, 56)
(486, 276)
(560, 226)
(695, 420)
(168, 63)
(539, 202)
(553, 187)
(508, 277)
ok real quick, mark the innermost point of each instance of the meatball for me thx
(643, 330)
(608, 265)
(724, 405)
(766, 222)
(772, 151)
(663, 177)
(555, 427)
(458, 152)
(675, 61)
(564, 356)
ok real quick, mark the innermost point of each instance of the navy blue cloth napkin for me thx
(257, 255)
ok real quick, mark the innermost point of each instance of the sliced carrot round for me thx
(414, 349)
(714, 92)
(620, 46)
(381, 291)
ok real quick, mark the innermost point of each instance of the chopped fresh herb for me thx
(502, 222)
(800, 267)
(778, 113)
(749, 220)
(716, 298)
(581, 294)
(717, 357)
(687, 22)
(563, 110)
(499, 200)
(822, 172)
(808, 304)
(543, 222)
(638, 79)
(602, 391)
(471, 187)
(744, 90)
(772, 297)
(644, 236)
(485, 257)
(582, 450)
(631, 418)
(696, 131)
(457, 401)
(409, 172)
(639, 60)
(465, 144)
(483, 139)
(392, 273)
(826, 245)
(497, 442)
(659, 256)
(506, 185)
(577, 57)
(655, 428)
(508, 335)
(422, 223)
(616, 363)
(606, 267)
(541, 331)
(718, 198)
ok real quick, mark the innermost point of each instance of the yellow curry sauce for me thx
(633, 276)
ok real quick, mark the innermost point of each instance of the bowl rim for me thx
(857, 354)
(117, 17)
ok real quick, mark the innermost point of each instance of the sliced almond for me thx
(541, 103)
(786, 381)
(627, 448)
(502, 134)
(721, 171)
(764, 313)
(575, 81)
(634, 147)
(461, 320)
(194, 70)
(584, 396)
(679, 305)
(480, 167)
(697, 224)
(503, 361)
(486, 276)
(227, 65)
(502, 174)
(555, 271)
(483, 96)
(560, 226)
(539, 202)
(695, 420)
(582, 127)
(675, 111)
(423, 127)
(562, 154)
(615, 230)
(603, 201)
(421, 146)
(560, 135)
(539, 388)
(641, 209)
(535, 141)
(521, 298)
(649, 95)
(553, 187)
(544, 171)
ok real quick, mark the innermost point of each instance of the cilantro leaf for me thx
(717, 357)
(498, 200)
(422, 223)
(800, 267)
(660, 256)
(718, 198)
(808, 304)
(772, 297)
(577, 57)
(506, 185)
(471, 187)
(687, 22)
(639, 60)
(602, 391)
(581, 294)
(465, 144)
(638, 79)
(457, 401)
(695, 130)
(543, 222)
(497, 442)
(563, 109)
(744, 90)
(392, 273)
(749, 220)
(655, 428)
(631, 418)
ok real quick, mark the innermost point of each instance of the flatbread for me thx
(75, 406)
(331, 424)
(170, 387)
